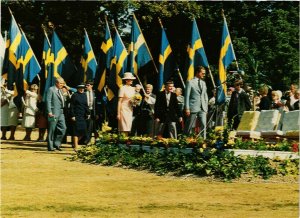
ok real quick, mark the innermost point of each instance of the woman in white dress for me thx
(5, 96)
(125, 109)
(30, 110)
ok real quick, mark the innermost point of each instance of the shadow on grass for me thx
(57, 209)
(35, 146)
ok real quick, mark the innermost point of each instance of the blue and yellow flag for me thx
(47, 58)
(27, 60)
(60, 65)
(13, 42)
(106, 54)
(196, 53)
(88, 60)
(118, 66)
(166, 62)
(226, 55)
(139, 54)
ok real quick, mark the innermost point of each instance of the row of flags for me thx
(20, 65)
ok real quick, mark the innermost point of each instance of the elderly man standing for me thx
(166, 110)
(56, 120)
(196, 102)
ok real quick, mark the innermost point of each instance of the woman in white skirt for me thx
(5, 96)
(30, 110)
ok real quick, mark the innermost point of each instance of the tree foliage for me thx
(268, 32)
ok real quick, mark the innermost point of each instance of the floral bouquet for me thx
(136, 100)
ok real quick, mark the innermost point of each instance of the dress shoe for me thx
(51, 150)
(12, 138)
(74, 149)
(3, 138)
(27, 139)
(58, 148)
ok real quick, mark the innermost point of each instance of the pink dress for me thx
(126, 93)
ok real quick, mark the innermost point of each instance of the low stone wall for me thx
(269, 154)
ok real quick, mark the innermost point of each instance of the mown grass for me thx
(36, 183)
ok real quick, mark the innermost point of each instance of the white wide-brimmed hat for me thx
(128, 75)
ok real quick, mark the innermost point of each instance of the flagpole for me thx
(146, 44)
(43, 27)
(180, 76)
(212, 79)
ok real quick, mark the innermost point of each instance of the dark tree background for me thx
(265, 35)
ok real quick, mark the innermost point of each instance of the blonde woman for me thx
(125, 109)
(30, 110)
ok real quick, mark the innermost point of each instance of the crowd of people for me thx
(76, 112)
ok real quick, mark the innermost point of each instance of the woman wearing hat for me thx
(30, 110)
(79, 112)
(125, 109)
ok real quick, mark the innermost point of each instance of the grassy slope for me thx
(36, 183)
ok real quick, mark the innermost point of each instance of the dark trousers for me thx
(91, 128)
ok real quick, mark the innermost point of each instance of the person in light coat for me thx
(9, 113)
(30, 110)
(196, 102)
(5, 96)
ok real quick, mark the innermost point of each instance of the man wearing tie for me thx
(196, 102)
(56, 120)
(167, 111)
(91, 104)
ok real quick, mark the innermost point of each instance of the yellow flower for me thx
(230, 142)
(105, 127)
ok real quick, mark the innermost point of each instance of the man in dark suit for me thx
(56, 120)
(239, 102)
(167, 111)
(196, 102)
(91, 128)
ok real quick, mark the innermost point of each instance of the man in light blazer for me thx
(56, 120)
(196, 102)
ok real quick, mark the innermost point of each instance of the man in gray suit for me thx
(56, 120)
(196, 102)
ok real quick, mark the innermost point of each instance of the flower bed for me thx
(216, 139)
(188, 155)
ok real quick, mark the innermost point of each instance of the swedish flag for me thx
(118, 66)
(88, 60)
(60, 64)
(106, 53)
(166, 63)
(13, 42)
(196, 53)
(27, 60)
(47, 58)
(226, 55)
(139, 54)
